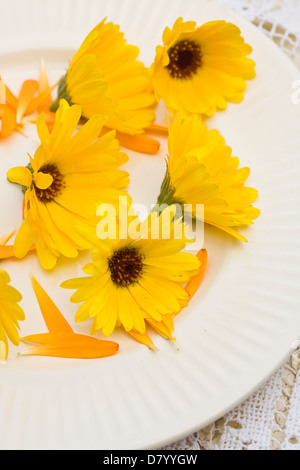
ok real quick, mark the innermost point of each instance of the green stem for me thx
(62, 93)
(167, 195)
(54, 106)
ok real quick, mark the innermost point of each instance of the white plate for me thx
(245, 320)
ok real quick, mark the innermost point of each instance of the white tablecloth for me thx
(269, 419)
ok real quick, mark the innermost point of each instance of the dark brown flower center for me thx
(126, 266)
(185, 59)
(57, 186)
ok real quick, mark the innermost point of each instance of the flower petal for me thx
(54, 320)
(28, 90)
(6, 252)
(143, 338)
(3, 351)
(75, 347)
(4, 239)
(161, 329)
(4, 278)
(139, 143)
(194, 283)
(43, 180)
(24, 239)
(20, 175)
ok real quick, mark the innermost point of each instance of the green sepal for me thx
(62, 93)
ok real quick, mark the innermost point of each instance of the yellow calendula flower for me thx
(199, 69)
(105, 77)
(10, 314)
(202, 170)
(70, 175)
(165, 327)
(133, 278)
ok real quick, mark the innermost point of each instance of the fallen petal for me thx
(45, 338)
(8, 251)
(28, 90)
(54, 320)
(139, 143)
(157, 128)
(8, 121)
(193, 285)
(75, 347)
(4, 239)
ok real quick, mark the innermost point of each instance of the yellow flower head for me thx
(10, 314)
(105, 77)
(70, 175)
(198, 70)
(135, 278)
(202, 170)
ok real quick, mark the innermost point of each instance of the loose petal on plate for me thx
(8, 251)
(5, 238)
(62, 341)
(54, 320)
(45, 338)
(194, 283)
(74, 347)
(139, 143)
(8, 121)
(155, 128)
(28, 90)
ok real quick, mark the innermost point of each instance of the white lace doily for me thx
(269, 419)
(279, 19)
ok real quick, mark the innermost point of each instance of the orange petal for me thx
(10, 99)
(40, 101)
(4, 239)
(49, 119)
(54, 320)
(8, 121)
(74, 347)
(139, 143)
(44, 85)
(193, 285)
(45, 338)
(158, 129)
(168, 321)
(28, 90)
(2, 92)
(143, 338)
(8, 251)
